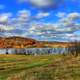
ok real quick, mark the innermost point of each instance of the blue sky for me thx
(49, 20)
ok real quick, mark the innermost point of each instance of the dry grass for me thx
(47, 67)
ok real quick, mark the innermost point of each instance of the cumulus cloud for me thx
(43, 4)
(61, 14)
(22, 19)
(70, 20)
(9, 23)
(64, 28)
(4, 17)
(70, 17)
(6, 27)
(24, 13)
(74, 16)
(23, 16)
(42, 15)
(53, 28)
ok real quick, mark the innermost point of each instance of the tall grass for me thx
(46, 67)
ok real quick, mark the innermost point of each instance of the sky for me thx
(45, 20)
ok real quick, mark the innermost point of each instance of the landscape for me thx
(43, 65)
(22, 42)
(40, 40)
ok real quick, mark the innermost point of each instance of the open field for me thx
(47, 67)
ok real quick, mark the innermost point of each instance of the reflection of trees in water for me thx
(41, 51)
(6, 50)
(35, 51)
(19, 51)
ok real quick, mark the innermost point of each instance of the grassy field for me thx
(47, 67)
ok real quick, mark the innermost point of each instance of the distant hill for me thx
(21, 42)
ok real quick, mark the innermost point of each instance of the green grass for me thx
(47, 67)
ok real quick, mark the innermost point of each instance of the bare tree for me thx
(75, 49)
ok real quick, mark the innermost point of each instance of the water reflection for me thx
(34, 51)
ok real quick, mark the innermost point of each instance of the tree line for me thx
(75, 49)
(72, 50)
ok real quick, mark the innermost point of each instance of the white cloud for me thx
(7, 34)
(4, 17)
(53, 28)
(70, 17)
(22, 18)
(41, 3)
(61, 14)
(24, 13)
(4, 22)
(42, 15)
(14, 25)
(6, 27)
(70, 20)
(63, 29)
(74, 16)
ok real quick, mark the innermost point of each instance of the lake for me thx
(34, 51)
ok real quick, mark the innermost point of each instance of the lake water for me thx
(34, 51)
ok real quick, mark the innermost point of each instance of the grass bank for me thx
(47, 67)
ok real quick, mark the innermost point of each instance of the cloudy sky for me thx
(49, 20)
